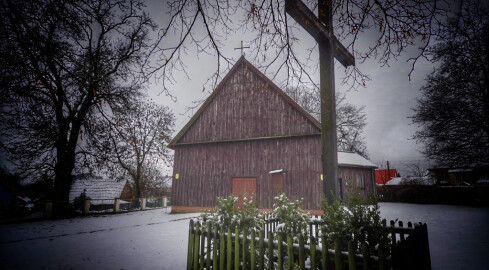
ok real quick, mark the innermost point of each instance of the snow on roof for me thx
(97, 187)
(354, 159)
(394, 181)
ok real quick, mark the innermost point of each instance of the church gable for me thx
(246, 105)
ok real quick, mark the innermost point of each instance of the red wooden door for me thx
(244, 187)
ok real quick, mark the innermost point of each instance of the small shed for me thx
(100, 188)
(356, 174)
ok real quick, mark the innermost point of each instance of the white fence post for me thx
(164, 201)
(143, 203)
(86, 207)
(117, 203)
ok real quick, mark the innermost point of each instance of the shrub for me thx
(228, 215)
(292, 220)
(356, 220)
(336, 217)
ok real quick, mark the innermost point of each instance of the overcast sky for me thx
(388, 98)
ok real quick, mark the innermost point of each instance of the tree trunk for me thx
(137, 182)
(63, 179)
(65, 163)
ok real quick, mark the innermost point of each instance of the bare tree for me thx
(388, 27)
(453, 112)
(133, 142)
(350, 120)
(62, 63)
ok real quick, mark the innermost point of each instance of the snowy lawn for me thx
(154, 239)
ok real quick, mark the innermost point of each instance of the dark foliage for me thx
(62, 64)
(453, 113)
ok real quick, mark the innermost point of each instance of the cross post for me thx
(242, 48)
(329, 48)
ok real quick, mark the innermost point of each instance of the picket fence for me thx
(216, 247)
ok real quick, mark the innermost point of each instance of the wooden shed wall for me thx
(206, 170)
(247, 106)
(349, 176)
(127, 192)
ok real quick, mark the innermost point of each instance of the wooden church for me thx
(249, 137)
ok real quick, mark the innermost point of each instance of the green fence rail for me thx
(215, 247)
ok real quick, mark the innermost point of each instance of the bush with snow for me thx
(228, 215)
(356, 220)
(289, 213)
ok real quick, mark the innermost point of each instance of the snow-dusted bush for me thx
(355, 220)
(292, 220)
(228, 215)
(336, 217)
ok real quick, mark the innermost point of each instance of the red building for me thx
(249, 137)
(384, 176)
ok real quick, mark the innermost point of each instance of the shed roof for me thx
(354, 160)
(97, 187)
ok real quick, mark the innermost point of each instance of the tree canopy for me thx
(63, 62)
(389, 28)
(133, 141)
(453, 113)
(350, 119)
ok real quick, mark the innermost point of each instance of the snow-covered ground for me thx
(459, 239)
(458, 235)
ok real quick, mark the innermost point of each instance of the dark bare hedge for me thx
(463, 195)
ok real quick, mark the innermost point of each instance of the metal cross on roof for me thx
(241, 48)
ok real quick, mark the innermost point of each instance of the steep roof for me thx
(243, 64)
(354, 160)
(97, 187)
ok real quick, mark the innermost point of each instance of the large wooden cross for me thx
(329, 48)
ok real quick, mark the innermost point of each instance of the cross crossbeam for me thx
(241, 48)
(306, 18)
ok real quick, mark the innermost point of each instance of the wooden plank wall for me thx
(350, 176)
(247, 107)
(205, 170)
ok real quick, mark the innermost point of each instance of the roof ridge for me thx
(242, 60)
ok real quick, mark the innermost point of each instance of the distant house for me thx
(383, 176)
(248, 138)
(426, 180)
(99, 188)
(456, 176)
